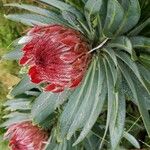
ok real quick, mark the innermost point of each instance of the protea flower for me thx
(25, 136)
(57, 55)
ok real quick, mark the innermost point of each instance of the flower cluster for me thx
(56, 55)
(25, 136)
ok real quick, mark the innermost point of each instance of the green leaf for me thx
(145, 56)
(13, 55)
(117, 122)
(93, 6)
(84, 1)
(110, 98)
(73, 104)
(131, 13)
(24, 85)
(114, 17)
(137, 94)
(17, 104)
(72, 20)
(91, 142)
(148, 103)
(53, 144)
(132, 140)
(145, 95)
(63, 6)
(46, 104)
(76, 3)
(32, 93)
(116, 106)
(132, 65)
(98, 102)
(99, 27)
(121, 42)
(32, 19)
(103, 12)
(31, 8)
(144, 59)
(139, 28)
(127, 92)
(144, 72)
(16, 118)
(112, 54)
(83, 112)
(11, 115)
(112, 67)
(140, 42)
(53, 16)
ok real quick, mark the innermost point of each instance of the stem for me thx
(84, 27)
(99, 46)
(134, 124)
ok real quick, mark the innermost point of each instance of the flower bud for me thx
(25, 136)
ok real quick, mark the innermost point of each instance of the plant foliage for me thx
(118, 73)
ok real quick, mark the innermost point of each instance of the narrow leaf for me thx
(13, 55)
(114, 16)
(41, 11)
(79, 4)
(31, 8)
(91, 142)
(63, 6)
(72, 20)
(32, 19)
(131, 13)
(18, 104)
(73, 104)
(103, 12)
(93, 6)
(45, 104)
(98, 103)
(16, 119)
(132, 140)
(141, 42)
(112, 67)
(110, 99)
(112, 54)
(137, 95)
(28, 19)
(121, 42)
(24, 85)
(118, 118)
(84, 110)
(132, 65)
(139, 28)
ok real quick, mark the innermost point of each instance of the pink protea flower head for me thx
(25, 136)
(56, 55)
